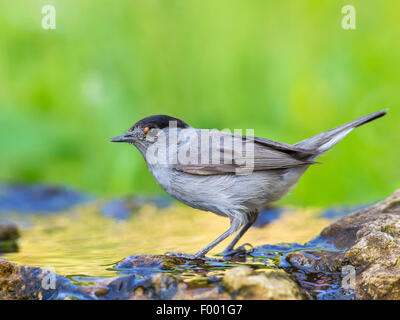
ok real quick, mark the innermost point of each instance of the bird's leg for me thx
(235, 225)
(252, 217)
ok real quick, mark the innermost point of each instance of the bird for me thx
(229, 174)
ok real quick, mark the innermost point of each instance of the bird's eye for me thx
(146, 130)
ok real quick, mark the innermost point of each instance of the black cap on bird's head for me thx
(159, 122)
(142, 127)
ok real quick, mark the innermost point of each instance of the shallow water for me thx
(84, 243)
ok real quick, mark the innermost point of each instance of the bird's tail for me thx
(326, 140)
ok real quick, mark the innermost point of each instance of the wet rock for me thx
(8, 235)
(245, 283)
(8, 231)
(237, 283)
(168, 287)
(30, 198)
(367, 243)
(32, 283)
(20, 283)
(162, 262)
(117, 288)
(156, 286)
(145, 265)
(155, 281)
(211, 292)
(160, 286)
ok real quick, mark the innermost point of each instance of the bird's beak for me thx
(126, 137)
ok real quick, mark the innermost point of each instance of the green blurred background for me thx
(286, 69)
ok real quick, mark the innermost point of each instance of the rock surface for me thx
(8, 231)
(32, 283)
(245, 283)
(368, 247)
(240, 282)
(8, 236)
(19, 282)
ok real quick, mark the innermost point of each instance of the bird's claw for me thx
(239, 250)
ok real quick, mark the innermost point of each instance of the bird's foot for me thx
(185, 255)
(241, 250)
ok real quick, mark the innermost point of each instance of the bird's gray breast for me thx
(225, 194)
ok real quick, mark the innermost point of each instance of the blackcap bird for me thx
(229, 174)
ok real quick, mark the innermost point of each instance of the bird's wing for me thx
(295, 151)
(230, 153)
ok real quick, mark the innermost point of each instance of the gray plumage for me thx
(275, 169)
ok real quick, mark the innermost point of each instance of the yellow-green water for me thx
(84, 242)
